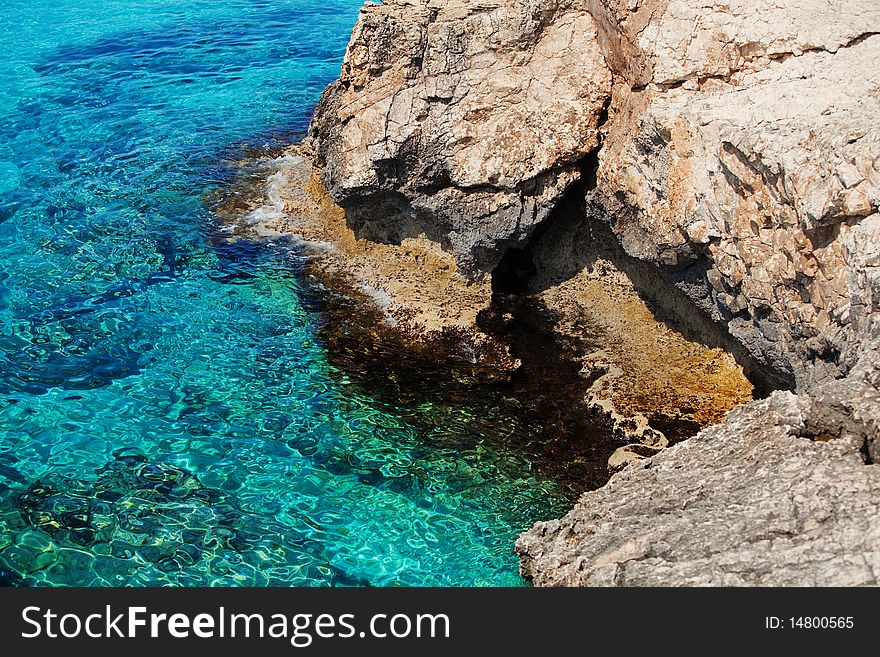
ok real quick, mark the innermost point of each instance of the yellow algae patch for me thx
(416, 283)
(651, 369)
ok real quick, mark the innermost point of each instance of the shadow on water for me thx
(537, 410)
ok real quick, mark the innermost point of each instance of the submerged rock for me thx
(136, 516)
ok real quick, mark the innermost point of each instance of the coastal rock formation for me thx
(748, 163)
(463, 121)
(779, 494)
(733, 145)
(651, 384)
(464, 124)
(731, 151)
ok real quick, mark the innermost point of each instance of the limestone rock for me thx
(463, 121)
(697, 41)
(740, 149)
(753, 155)
(778, 494)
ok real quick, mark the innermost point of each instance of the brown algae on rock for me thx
(636, 377)
(415, 283)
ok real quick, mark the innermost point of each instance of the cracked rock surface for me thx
(752, 157)
(461, 120)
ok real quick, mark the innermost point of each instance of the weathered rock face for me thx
(779, 494)
(464, 121)
(752, 155)
(740, 151)
(733, 149)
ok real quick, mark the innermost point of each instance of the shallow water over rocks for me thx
(169, 411)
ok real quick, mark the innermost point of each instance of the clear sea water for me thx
(168, 412)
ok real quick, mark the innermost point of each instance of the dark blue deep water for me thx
(168, 412)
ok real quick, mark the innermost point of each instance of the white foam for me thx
(272, 210)
(287, 160)
(382, 300)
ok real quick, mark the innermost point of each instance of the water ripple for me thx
(168, 414)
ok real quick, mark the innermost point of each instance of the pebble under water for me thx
(169, 414)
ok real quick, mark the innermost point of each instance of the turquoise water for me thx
(168, 412)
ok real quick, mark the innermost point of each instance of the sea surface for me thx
(169, 414)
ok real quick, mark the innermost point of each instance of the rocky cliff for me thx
(463, 121)
(720, 161)
(746, 161)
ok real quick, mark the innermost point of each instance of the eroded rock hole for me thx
(512, 274)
